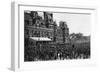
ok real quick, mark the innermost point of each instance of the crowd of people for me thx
(42, 52)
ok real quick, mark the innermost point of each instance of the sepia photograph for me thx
(56, 36)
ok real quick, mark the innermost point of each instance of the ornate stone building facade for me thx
(62, 33)
(37, 26)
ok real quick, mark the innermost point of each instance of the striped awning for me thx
(41, 38)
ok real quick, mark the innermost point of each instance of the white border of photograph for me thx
(17, 35)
